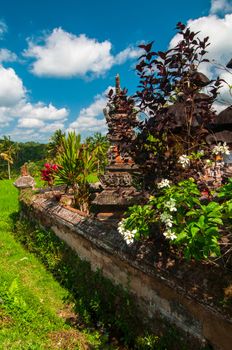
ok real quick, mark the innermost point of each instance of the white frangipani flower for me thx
(169, 235)
(184, 160)
(221, 149)
(127, 235)
(163, 183)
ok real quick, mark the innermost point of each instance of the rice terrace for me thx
(116, 175)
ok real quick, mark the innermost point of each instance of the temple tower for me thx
(117, 182)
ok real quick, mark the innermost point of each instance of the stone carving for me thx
(116, 179)
(24, 170)
(117, 182)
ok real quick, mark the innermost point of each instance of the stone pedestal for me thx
(118, 192)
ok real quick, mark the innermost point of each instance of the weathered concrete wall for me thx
(158, 295)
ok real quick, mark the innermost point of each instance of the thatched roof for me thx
(224, 117)
(177, 111)
(221, 136)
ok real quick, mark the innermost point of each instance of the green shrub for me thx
(182, 218)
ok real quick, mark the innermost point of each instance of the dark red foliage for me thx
(170, 96)
(48, 174)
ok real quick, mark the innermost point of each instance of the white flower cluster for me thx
(171, 204)
(184, 160)
(221, 149)
(169, 234)
(167, 219)
(163, 183)
(127, 235)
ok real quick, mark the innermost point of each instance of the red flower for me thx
(55, 167)
(48, 174)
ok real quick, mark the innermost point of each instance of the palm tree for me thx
(55, 145)
(8, 151)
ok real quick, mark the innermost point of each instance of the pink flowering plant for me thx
(48, 173)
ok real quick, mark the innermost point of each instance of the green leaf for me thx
(216, 221)
(194, 230)
(191, 213)
(211, 230)
(201, 222)
(181, 236)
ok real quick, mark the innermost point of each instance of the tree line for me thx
(14, 154)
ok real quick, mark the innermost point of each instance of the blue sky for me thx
(58, 58)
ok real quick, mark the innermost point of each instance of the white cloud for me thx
(52, 127)
(26, 135)
(128, 53)
(3, 28)
(5, 119)
(39, 111)
(16, 109)
(220, 6)
(62, 54)
(29, 123)
(11, 87)
(91, 119)
(220, 50)
(7, 56)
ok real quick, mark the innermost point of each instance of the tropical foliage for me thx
(15, 154)
(183, 218)
(76, 162)
(177, 99)
(100, 145)
(55, 145)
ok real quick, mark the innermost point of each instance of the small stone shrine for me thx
(25, 180)
(221, 131)
(117, 182)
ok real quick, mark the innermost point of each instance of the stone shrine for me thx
(220, 132)
(117, 182)
(25, 180)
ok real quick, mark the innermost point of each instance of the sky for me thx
(59, 58)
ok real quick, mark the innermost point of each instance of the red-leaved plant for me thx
(48, 173)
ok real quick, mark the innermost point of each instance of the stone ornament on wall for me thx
(117, 181)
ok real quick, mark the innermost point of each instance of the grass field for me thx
(33, 314)
(34, 311)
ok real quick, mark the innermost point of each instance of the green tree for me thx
(55, 145)
(100, 144)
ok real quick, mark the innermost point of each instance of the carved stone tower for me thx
(117, 182)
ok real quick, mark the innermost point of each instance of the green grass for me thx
(30, 299)
(33, 313)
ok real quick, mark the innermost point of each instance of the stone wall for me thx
(161, 290)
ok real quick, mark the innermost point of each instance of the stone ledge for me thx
(163, 287)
